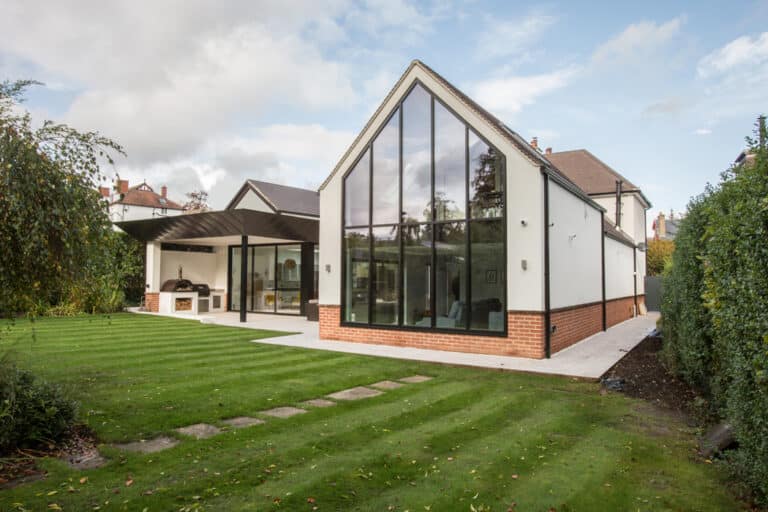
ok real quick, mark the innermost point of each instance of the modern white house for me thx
(440, 227)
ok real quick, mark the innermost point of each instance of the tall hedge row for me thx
(715, 309)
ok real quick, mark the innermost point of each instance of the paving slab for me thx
(283, 412)
(149, 446)
(90, 459)
(589, 358)
(356, 393)
(242, 422)
(319, 402)
(386, 384)
(199, 430)
(415, 379)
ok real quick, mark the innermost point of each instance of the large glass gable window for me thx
(424, 243)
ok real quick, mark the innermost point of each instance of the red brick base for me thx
(525, 338)
(619, 310)
(572, 324)
(152, 302)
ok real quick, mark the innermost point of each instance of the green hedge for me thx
(715, 309)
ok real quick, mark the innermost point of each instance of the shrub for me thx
(715, 309)
(659, 255)
(32, 412)
(687, 324)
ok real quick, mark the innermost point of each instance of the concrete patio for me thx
(588, 359)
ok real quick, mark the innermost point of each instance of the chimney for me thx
(122, 186)
(661, 226)
(104, 191)
(164, 192)
(548, 151)
(535, 143)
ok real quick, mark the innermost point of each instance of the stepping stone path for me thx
(357, 393)
(204, 430)
(387, 384)
(91, 459)
(199, 430)
(319, 402)
(415, 379)
(242, 422)
(153, 445)
(283, 412)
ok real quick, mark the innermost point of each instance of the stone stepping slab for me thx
(90, 459)
(356, 393)
(387, 384)
(415, 379)
(150, 446)
(319, 402)
(283, 412)
(243, 422)
(199, 430)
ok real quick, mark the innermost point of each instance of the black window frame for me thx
(467, 220)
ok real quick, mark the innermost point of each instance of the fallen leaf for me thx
(84, 479)
(129, 482)
(514, 477)
(310, 500)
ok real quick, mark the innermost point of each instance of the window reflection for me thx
(413, 268)
(486, 178)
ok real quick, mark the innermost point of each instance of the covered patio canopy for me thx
(238, 222)
(228, 226)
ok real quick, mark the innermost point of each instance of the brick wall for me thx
(152, 302)
(526, 335)
(619, 310)
(573, 324)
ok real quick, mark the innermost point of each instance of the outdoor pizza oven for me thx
(185, 285)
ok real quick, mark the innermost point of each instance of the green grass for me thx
(467, 438)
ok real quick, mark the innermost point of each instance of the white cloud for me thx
(702, 131)
(741, 52)
(511, 94)
(637, 40)
(512, 38)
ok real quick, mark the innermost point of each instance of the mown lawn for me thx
(467, 439)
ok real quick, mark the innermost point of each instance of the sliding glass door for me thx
(273, 279)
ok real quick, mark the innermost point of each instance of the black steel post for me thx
(243, 277)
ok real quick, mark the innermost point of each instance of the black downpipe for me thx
(618, 203)
(547, 311)
(243, 277)
(602, 257)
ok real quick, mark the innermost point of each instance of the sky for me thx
(203, 95)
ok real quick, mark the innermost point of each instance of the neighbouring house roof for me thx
(143, 195)
(281, 198)
(611, 231)
(590, 173)
(240, 222)
(505, 131)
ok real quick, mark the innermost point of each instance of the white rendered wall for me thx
(154, 257)
(122, 213)
(251, 201)
(619, 270)
(198, 267)
(524, 201)
(609, 203)
(575, 263)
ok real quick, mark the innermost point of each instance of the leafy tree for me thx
(58, 244)
(197, 201)
(659, 256)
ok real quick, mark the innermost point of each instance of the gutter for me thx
(547, 306)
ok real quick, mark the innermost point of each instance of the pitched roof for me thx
(143, 195)
(496, 124)
(281, 198)
(611, 231)
(589, 172)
